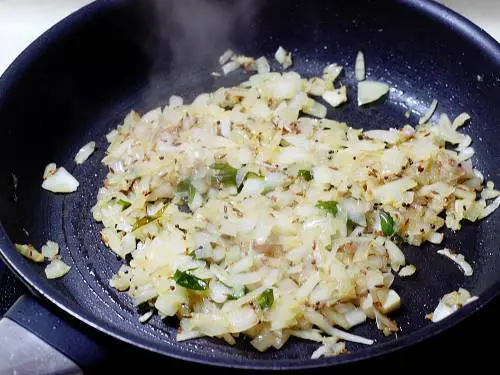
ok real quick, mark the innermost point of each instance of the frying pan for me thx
(77, 82)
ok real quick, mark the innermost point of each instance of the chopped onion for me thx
(29, 252)
(460, 120)
(240, 213)
(370, 91)
(331, 72)
(175, 101)
(395, 255)
(442, 311)
(50, 250)
(230, 67)
(226, 56)
(263, 340)
(84, 153)
(60, 182)
(425, 118)
(283, 57)
(242, 319)
(458, 259)
(315, 108)
(466, 154)
(330, 347)
(56, 268)
(391, 302)
(446, 131)
(355, 317)
(335, 97)
(359, 68)
(450, 303)
(407, 271)
(436, 238)
(262, 65)
(145, 317)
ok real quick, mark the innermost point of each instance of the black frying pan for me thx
(78, 81)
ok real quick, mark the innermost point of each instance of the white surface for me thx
(22, 21)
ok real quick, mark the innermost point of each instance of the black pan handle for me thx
(34, 339)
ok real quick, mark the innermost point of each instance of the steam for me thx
(198, 31)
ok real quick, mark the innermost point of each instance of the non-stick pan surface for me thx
(80, 79)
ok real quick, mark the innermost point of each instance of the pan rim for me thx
(22, 269)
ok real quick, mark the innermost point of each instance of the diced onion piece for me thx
(283, 57)
(242, 319)
(247, 63)
(84, 153)
(175, 101)
(356, 210)
(30, 252)
(335, 97)
(464, 143)
(219, 292)
(318, 353)
(196, 202)
(391, 303)
(331, 72)
(262, 65)
(50, 249)
(168, 304)
(407, 271)
(466, 154)
(263, 340)
(436, 238)
(145, 317)
(230, 67)
(458, 259)
(315, 108)
(393, 192)
(370, 91)
(308, 286)
(60, 182)
(331, 347)
(396, 256)
(226, 56)
(229, 339)
(460, 120)
(185, 335)
(359, 68)
(446, 131)
(56, 268)
(427, 116)
(491, 207)
(355, 317)
(450, 303)
(442, 311)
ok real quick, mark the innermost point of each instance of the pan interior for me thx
(80, 80)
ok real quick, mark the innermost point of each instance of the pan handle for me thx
(35, 340)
